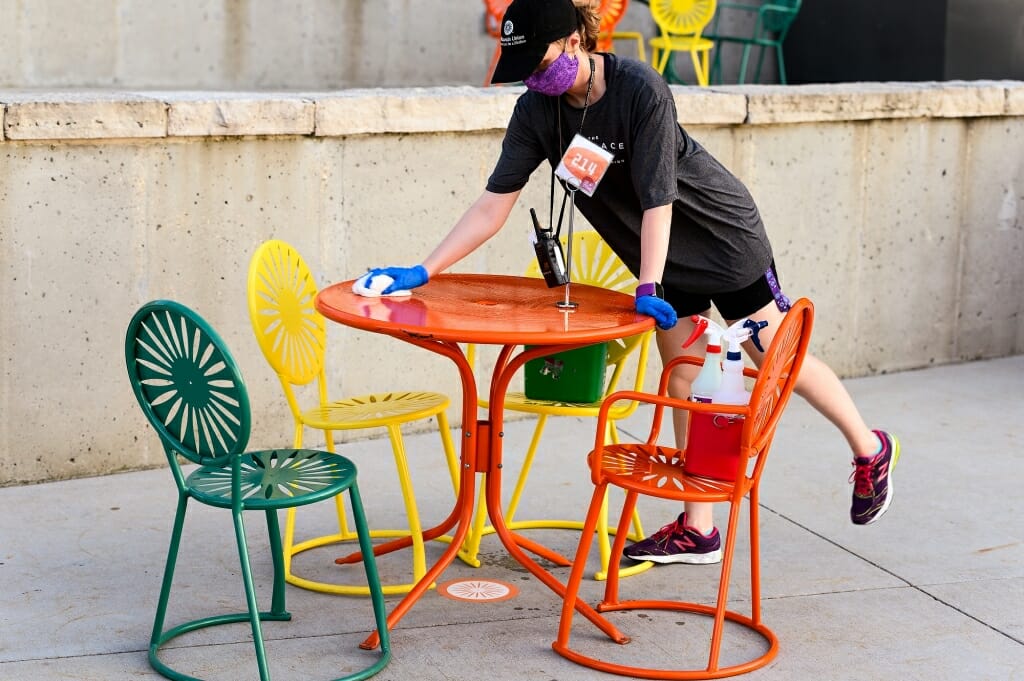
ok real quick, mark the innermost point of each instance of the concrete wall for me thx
(250, 44)
(241, 44)
(899, 209)
(266, 44)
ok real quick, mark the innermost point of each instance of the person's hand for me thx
(663, 313)
(405, 278)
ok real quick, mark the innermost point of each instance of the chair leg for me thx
(251, 615)
(524, 472)
(604, 545)
(165, 588)
(579, 563)
(419, 560)
(638, 529)
(782, 65)
(451, 458)
(743, 64)
(611, 589)
(604, 532)
(373, 579)
(277, 603)
(700, 66)
(755, 558)
(289, 549)
(661, 58)
(715, 75)
(760, 63)
(250, 596)
(723, 584)
(345, 533)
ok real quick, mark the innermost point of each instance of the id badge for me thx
(584, 164)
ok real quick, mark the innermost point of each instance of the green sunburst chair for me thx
(190, 389)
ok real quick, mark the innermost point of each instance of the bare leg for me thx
(817, 384)
(670, 345)
(820, 386)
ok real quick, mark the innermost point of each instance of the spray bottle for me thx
(710, 376)
(732, 390)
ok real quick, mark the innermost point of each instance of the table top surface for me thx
(489, 308)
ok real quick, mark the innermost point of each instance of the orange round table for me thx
(496, 310)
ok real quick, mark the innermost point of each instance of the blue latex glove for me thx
(663, 313)
(405, 278)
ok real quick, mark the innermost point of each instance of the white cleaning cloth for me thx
(368, 288)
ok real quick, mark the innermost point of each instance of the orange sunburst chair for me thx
(660, 471)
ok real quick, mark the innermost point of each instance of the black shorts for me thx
(731, 305)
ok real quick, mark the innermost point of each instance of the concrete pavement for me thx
(933, 591)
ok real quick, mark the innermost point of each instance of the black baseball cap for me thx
(527, 29)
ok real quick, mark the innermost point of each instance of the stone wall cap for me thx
(202, 114)
(404, 110)
(81, 114)
(709, 106)
(97, 114)
(1014, 97)
(871, 100)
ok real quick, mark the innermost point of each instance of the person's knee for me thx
(679, 383)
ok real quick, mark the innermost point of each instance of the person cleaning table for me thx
(682, 222)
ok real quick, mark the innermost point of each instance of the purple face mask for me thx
(556, 78)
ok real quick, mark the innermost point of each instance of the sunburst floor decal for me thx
(478, 590)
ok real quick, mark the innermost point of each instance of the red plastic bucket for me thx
(713, 446)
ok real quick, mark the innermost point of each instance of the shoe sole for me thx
(889, 489)
(683, 558)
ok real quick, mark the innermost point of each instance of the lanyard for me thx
(570, 193)
(561, 211)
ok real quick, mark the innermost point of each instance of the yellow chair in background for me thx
(593, 263)
(293, 338)
(681, 23)
(611, 12)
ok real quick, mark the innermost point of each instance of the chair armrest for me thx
(662, 400)
(694, 361)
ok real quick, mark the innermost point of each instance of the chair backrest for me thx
(776, 377)
(187, 384)
(494, 11)
(611, 12)
(595, 263)
(682, 17)
(778, 15)
(290, 332)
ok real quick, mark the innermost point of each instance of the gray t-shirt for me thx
(718, 242)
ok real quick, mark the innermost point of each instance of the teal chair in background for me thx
(190, 389)
(769, 23)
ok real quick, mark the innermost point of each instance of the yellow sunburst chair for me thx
(681, 23)
(293, 338)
